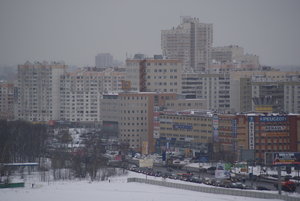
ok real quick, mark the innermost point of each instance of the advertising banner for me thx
(272, 118)
(251, 132)
(146, 163)
(221, 173)
(286, 158)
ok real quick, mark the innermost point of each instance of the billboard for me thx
(146, 163)
(221, 172)
(282, 158)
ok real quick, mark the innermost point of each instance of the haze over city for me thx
(75, 31)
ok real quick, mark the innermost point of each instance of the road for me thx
(258, 182)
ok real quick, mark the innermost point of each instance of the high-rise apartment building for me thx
(154, 75)
(7, 100)
(81, 92)
(38, 91)
(104, 60)
(189, 42)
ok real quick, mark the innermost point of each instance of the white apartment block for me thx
(82, 91)
(39, 91)
(154, 75)
(190, 42)
(235, 56)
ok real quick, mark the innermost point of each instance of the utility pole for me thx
(279, 179)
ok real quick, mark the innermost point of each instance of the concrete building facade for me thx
(216, 91)
(110, 114)
(273, 133)
(225, 136)
(154, 75)
(7, 100)
(137, 118)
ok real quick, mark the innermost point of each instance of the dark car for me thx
(262, 188)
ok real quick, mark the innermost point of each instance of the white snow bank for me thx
(115, 189)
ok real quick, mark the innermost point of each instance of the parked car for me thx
(239, 185)
(196, 180)
(262, 188)
(226, 183)
(288, 186)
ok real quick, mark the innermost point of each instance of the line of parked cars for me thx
(190, 177)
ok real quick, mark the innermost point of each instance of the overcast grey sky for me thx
(76, 30)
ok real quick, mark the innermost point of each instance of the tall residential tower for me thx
(39, 91)
(191, 42)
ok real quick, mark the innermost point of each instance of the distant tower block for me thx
(104, 60)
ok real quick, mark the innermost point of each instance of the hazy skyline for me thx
(75, 31)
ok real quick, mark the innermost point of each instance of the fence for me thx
(214, 190)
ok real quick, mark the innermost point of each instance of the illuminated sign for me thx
(272, 118)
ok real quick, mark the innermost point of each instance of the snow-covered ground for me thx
(114, 189)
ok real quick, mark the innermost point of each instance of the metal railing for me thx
(233, 192)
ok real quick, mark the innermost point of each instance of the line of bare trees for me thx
(21, 141)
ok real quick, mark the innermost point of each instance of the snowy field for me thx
(117, 189)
